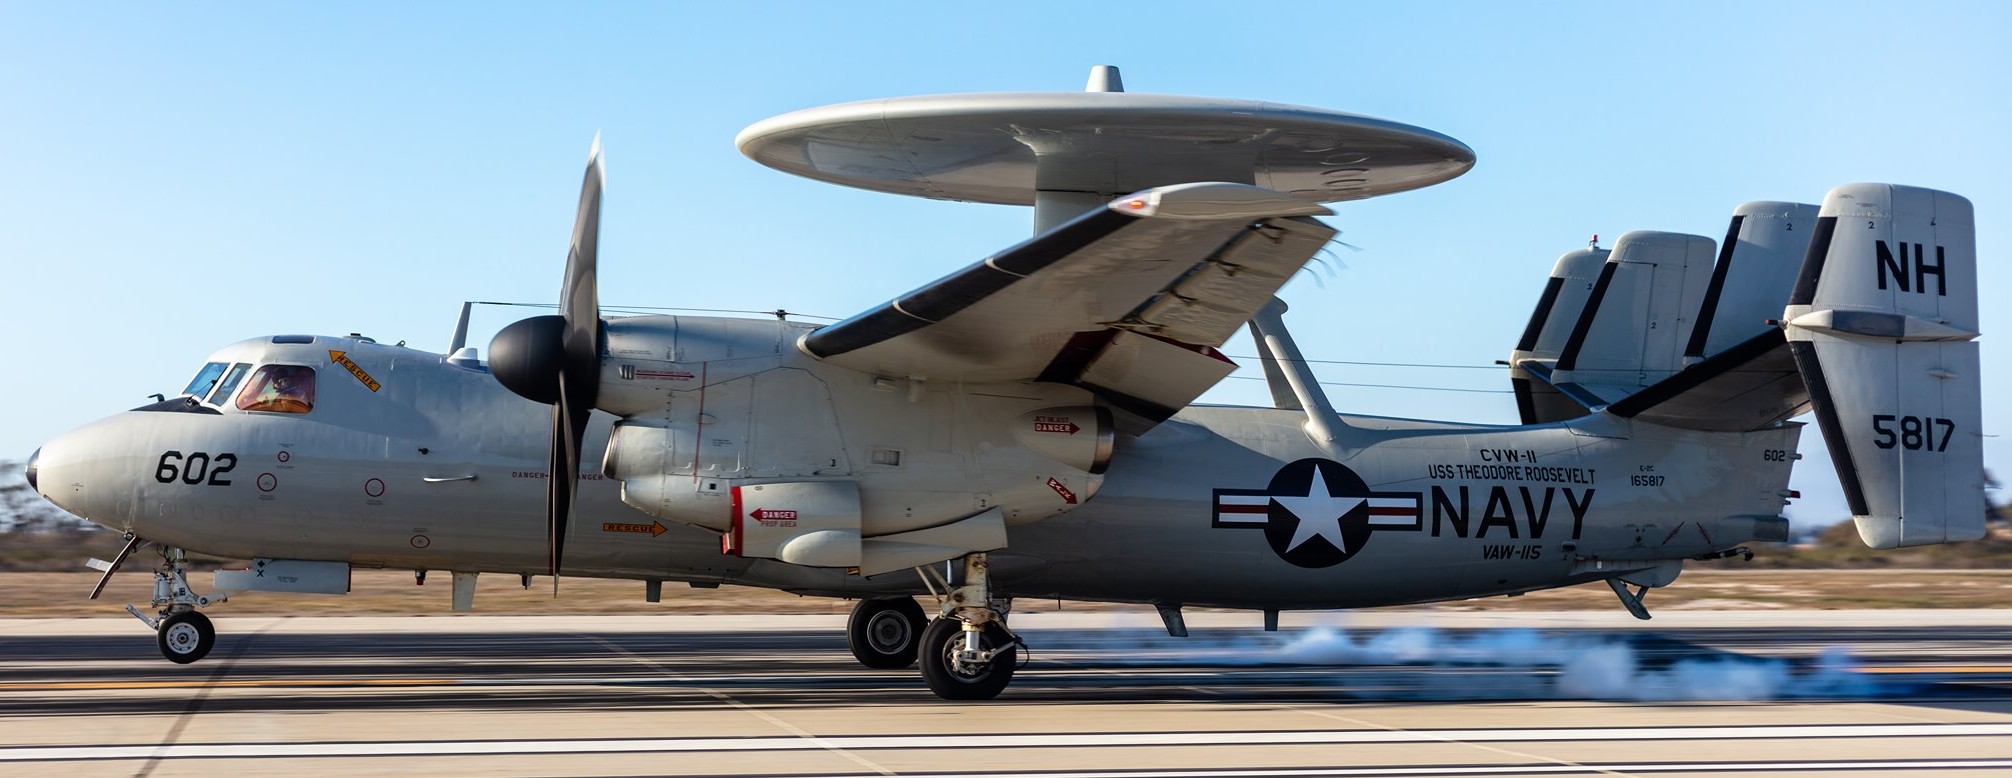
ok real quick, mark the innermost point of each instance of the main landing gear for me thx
(968, 653)
(183, 634)
(884, 632)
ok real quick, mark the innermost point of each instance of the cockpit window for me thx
(279, 389)
(205, 380)
(229, 384)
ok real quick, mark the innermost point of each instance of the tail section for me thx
(1757, 266)
(1738, 373)
(1881, 324)
(1564, 299)
(1633, 330)
(1609, 324)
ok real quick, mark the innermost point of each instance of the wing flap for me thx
(1218, 296)
(1147, 377)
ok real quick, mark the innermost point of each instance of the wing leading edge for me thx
(1129, 300)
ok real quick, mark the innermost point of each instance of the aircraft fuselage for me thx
(408, 461)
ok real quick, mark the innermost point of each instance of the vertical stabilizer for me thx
(1638, 317)
(1757, 265)
(1882, 322)
(1558, 308)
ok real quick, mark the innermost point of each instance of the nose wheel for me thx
(884, 633)
(186, 636)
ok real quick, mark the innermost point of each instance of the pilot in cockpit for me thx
(280, 389)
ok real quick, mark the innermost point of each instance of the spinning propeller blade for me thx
(557, 359)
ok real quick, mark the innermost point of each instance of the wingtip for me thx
(597, 168)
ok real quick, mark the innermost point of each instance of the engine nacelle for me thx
(854, 470)
(1081, 437)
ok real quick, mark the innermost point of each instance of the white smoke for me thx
(1498, 664)
(1590, 667)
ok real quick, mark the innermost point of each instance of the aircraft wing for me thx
(1129, 301)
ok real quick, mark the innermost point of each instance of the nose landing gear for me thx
(183, 634)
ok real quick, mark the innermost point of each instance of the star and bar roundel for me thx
(1318, 513)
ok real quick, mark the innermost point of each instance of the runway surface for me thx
(1398, 694)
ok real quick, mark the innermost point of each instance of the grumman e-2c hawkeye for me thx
(1022, 427)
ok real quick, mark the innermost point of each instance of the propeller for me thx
(556, 360)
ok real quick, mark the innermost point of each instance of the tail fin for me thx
(1739, 375)
(1564, 298)
(1882, 323)
(1757, 265)
(1632, 332)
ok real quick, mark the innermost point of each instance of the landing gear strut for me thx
(883, 633)
(968, 653)
(183, 634)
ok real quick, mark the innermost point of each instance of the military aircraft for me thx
(1024, 426)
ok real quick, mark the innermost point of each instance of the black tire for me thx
(942, 639)
(883, 633)
(186, 637)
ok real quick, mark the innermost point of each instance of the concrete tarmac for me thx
(1103, 696)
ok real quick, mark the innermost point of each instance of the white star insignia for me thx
(1319, 513)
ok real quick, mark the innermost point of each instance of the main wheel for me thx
(186, 637)
(954, 680)
(883, 633)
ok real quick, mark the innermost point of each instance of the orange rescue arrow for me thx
(651, 529)
(342, 358)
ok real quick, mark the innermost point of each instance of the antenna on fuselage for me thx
(460, 339)
(1104, 78)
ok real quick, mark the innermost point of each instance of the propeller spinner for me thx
(556, 360)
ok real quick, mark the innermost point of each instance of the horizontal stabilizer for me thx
(1739, 374)
(1750, 386)
(1881, 323)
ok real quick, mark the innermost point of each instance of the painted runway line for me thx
(1890, 767)
(910, 742)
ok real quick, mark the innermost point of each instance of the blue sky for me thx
(174, 178)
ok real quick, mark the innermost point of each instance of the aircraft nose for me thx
(31, 470)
